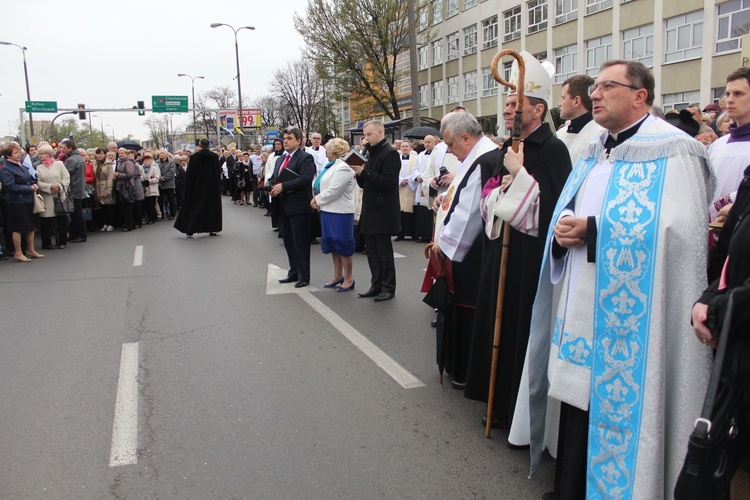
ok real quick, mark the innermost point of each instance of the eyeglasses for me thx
(608, 85)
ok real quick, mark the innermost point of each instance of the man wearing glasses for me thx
(626, 256)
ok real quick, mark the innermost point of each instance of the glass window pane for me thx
(697, 34)
(723, 31)
(740, 23)
(729, 7)
(671, 40)
(683, 37)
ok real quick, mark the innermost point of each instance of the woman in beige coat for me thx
(104, 173)
(53, 179)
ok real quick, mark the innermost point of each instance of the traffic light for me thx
(53, 144)
(81, 114)
(141, 112)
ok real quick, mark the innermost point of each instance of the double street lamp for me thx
(192, 85)
(237, 56)
(26, 75)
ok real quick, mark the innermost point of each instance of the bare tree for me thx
(158, 128)
(270, 110)
(224, 97)
(367, 42)
(299, 89)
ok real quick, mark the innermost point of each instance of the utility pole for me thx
(413, 69)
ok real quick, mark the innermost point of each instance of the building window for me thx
(717, 94)
(566, 62)
(489, 84)
(507, 66)
(437, 52)
(638, 44)
(423, 19)
(470, 40)
(598, 50)
(540, 56)
(537, 15)
(452, 89)
(489, 32)
(437, 12)
(733, 22)
(345, 113)
(422, 57)
(593, 6)
(684, 36)
(470, 85)
(452, 8)
(512, 24)
(680, 100)
(423, 102)
(437, 93)
(565, 10)
(452, 46)
(468, 4)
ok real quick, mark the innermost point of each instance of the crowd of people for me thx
(598, 224)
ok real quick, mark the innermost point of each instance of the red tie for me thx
(285, 163)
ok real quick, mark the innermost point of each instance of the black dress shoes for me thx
(78, 240)
(372, 292)
(458, 384)
(288, 279)
(301, 284)
(384, 296)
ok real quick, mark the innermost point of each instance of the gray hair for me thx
(460, 123)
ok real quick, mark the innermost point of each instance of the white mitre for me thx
(537, 79)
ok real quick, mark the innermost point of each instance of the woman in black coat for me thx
(19, 188)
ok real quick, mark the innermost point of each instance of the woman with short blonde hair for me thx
(53, 179)
(334, 197)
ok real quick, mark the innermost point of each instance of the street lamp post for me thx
(192, 86)
(113, 132)
(101, 122)
(26, 75)
(237, 56)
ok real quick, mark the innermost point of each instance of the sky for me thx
(109, 54)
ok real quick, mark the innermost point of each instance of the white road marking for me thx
(138, 256)
(124, 447)
(398, 256)
(388, 364)
(397, 372)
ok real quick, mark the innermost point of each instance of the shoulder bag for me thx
(717, 444)
(63, 206)
(39, 206)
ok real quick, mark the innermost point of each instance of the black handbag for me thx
(63, 206)
(717, 444)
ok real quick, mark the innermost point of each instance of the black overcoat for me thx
(201, 203)
(381, 211)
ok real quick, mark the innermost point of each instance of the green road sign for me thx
(169, 103)
(41, 106)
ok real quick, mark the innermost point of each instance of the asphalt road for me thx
(241, 391)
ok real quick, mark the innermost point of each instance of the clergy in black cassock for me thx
(201, 204)
(537, 177)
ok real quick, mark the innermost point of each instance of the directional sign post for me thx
(169, 103)
(41, 106)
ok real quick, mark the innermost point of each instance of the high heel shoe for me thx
(346, 289)
(333, 283)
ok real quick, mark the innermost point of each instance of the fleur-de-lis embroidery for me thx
(623, 302)
(532, 86)
(610, 472)
(617, 390)
(579, 352)
(631, 212)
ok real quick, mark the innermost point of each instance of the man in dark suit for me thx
(381, 211)
(292, 191)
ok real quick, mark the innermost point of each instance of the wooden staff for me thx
(516, 140)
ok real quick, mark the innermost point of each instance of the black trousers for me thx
(572, 449)
(150, 202)
(380, 258)
(77, 224)
(167, 202)
(47, 223)
(127, 214)
(295, 230)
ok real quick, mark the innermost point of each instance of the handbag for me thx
(88, 214)
(63, 206)
(717, 444)
(127, 193)
(39, 206)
